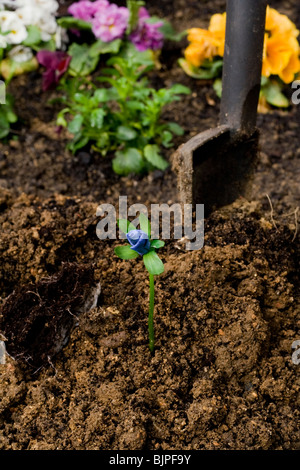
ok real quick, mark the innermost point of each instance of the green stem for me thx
(151, 312)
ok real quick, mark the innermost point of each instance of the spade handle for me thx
(245, 30)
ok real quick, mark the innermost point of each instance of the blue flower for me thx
(139, 241)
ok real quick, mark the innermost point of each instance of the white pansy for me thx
(49, 6)
(39, 13)
(36, 9)
(10, 23)
(47, 26)
(61, 38)
(20, 54)
(3, 42)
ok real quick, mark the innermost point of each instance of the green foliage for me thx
(209, 69)
(124, 116)
(153, 263)
(272, 91)
(7, 116)
(85, 58)
(69, 22)
(133, 7)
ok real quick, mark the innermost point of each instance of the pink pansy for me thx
(56, 64)
(147, 35)
(111, 23)
(86, 10)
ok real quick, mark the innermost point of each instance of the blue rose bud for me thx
(139, 241)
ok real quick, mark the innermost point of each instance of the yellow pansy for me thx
(204, 45)
(281, 47)
(217, 26)
(276, 23)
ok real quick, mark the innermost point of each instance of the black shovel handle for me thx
(245, 29)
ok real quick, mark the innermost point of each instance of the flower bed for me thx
(226, 316)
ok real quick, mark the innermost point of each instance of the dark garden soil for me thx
(81, 376)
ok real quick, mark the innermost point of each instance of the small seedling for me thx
(142, 245)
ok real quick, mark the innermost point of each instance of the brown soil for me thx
(225, 317)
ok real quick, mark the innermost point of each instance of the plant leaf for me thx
(274, 96)
(180, 89)
(128, 161)
(125, 252)
(153, 263)
(101, 47)
(69, 22)
(170, 33)
(103, 95)
(75, 125)
(4, 126)
(82, 62)
(126, 133)
(217, 86)
(33, 37)
(125, 225)
(97, 118)
(133, 7)
(153, 157)
(175, 128)
(167, 137)
(208, 70)
(157, 243)
(145, 224)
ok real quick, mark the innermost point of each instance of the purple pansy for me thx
(110, 23)
(139, 241)
(147, 35)
(86, 10)
(56, 64)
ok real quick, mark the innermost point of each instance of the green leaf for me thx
(169, 32)
(134, 105)
(264, 81)
(11, 116)
(49, 45)
(180, 89)
(133, 7)
(10, 68)
(4, 127)
(274, 96)
(126, 133)
(152, 155)
(157, 243)
(175, 128)
(125, 252)
(61, 121)
(125, 226)
(218, 87)
(128, 161)
(33, 37)
(145, 224)
(103, 95)
(167, 139)
(101, 47)
(81, 98)
(103, 140)
(153, 263)
(208, 70)
(69, 22)
(97, 118)
(77, 143)
(75, 125)
(82, 62)
(135, 57)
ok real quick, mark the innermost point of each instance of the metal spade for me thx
(216, 166)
